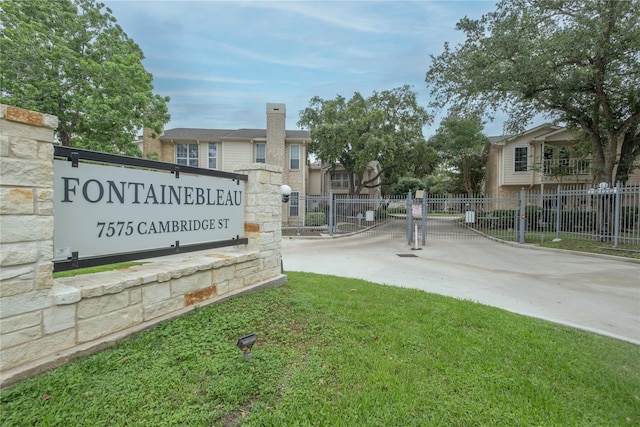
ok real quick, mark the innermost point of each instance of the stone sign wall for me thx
(46, 322)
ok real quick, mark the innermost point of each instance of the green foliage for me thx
(386, 127)
(98, 269)
(70, 59)
(445, 180)
(333, 351)
(574, 62)
(630, 217)
(461, 146)
(505, 218)
(316, 218)
(405, 185)
(397, 210)
(578, 221)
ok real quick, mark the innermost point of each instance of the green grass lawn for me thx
(583, 245)
(342, 352)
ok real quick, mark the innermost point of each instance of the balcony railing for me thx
(339, 185)
(557, 167)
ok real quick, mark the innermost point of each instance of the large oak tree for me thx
(460, 144)
(577, 62)
(385, 127)
(70, 59)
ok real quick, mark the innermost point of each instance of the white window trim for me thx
(291, 158)
(294, 201)
(255, 152)
(515, 149)
(188, 158)
(217, 155)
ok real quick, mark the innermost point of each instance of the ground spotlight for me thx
(245, 343)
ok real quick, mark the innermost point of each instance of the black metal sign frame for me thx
(74, 155)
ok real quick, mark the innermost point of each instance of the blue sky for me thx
(222, 61)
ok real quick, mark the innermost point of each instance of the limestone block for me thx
(59, 318)
(163, 307)
(223, 287)
(270, 226)
(200, 295)
(22, 173)
(24, 148)
(25, 228)
(266, 238)
(96, 327)
(98, 306)
(44, 276)
(263, 177)
(135, 296)
(46, 250)
(220, 275)
(19, 253)
(45, 152)
(152, 294)
(246, 269)
(44, 201)
(188, 284)
(14, 129)
(4, 143)
(30, 351)
(21, 321)
(22, 282)
(251, 279)
(16, 201)
(21, 336)
(236, 283)
(24, 303)
(63, 294)
(20, 115)
(50, 121)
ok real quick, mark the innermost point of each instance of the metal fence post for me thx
(523, 218)
(558, 212)
(424, 218)
(331, 216)
(617, 216)
(409, 218)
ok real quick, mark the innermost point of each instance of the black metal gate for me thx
(411, 218)
(464, 217)
(604, 214)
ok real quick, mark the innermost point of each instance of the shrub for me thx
(397, 210)
(316, 218)
(506, 218)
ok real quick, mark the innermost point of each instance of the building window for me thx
(294, 156)
(521, 159)
(187, 154)
(294, 204)
(261, 153)
(339, 180)
(213, 155)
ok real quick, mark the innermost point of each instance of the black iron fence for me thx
(605, 214)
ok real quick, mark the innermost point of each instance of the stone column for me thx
(26, 229)
(26, 200)
(263, 215)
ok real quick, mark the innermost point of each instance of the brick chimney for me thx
(276, 118)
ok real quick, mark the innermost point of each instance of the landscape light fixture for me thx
(245, 343)
(286, 192)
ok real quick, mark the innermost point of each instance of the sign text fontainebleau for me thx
(101, 209)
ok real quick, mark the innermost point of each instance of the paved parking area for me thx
(594, 293)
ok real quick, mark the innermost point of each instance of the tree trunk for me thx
(629, 152)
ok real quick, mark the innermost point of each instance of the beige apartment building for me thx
(540, 159)
(225, 149)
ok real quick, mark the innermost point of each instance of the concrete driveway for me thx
(593, 293)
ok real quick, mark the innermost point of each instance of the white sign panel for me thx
(100, 209)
